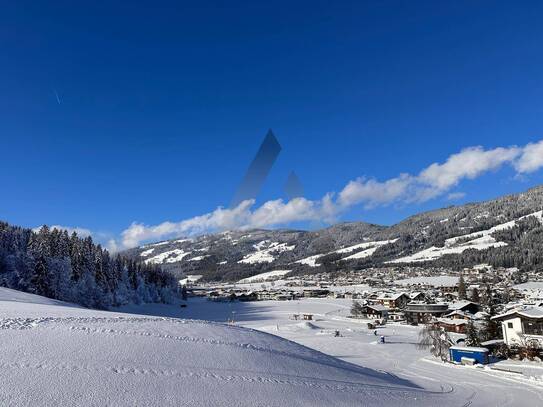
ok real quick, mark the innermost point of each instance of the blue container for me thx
(480, 355)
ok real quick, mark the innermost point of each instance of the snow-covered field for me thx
(399, 357)
(170, 256)
(265, 252)
(264, 276)
(57, 354)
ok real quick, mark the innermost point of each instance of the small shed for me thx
(480, 355)
(307, 317)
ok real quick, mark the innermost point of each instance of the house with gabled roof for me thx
(522, 326)
(392, 301)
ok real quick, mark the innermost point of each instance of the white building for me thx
(521, 327)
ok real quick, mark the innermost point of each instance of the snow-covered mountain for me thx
(504, 232)
(54, 353)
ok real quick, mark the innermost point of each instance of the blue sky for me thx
(162, 105)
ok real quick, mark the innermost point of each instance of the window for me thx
(510, 325)
(533, 327)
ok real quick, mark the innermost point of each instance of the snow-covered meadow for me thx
(54, 353)
(398, 357)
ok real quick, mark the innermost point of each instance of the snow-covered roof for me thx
(456, 321)
(394, 296)
(530, 312)
(378, 307)
(458, 312)
(459, 305)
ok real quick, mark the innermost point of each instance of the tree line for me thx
(55, 264)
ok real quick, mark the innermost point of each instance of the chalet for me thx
(285, 296)
(265, 295)
(392, 301)
(458, 314)
(221, 296)
(417, 296)
(466, 306)
(456, 325)
(376, 311)
(522, 327)
(396, 316)
(420, 313)
(316, 293)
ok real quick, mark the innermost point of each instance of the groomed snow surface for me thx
(57, 354)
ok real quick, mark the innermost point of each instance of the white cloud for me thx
(433, 181)
(531, 158)
(373, 193)
(470, 163)
(271, 213)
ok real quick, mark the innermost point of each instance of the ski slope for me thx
(54, 353)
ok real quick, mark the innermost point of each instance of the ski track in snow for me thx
(225, 375)
(368, 390)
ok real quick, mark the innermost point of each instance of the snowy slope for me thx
(56, 354)
(265, 252)
(368, 248)
(441, 235)
(269, 275)
(478, 240)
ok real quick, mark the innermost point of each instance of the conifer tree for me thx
(461, 288)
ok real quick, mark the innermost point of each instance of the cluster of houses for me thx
(414, 309)
(435, 300)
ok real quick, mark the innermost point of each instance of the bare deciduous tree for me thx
(436, 339)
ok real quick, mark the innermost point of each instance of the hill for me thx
(58, 354)
(503, 232)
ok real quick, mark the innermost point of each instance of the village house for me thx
(396, 316)
(522, 327)
(285, 296)
(456, 325)
(465, 306)
(417, 296)
(421, 313)
(265, 295)
(316, 293)
(352, 296)
(392, 301)
(376, 311)
(458, 314)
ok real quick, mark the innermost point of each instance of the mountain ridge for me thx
(496, 231)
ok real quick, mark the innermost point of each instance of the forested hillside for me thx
(504, 232)
(52, 263)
